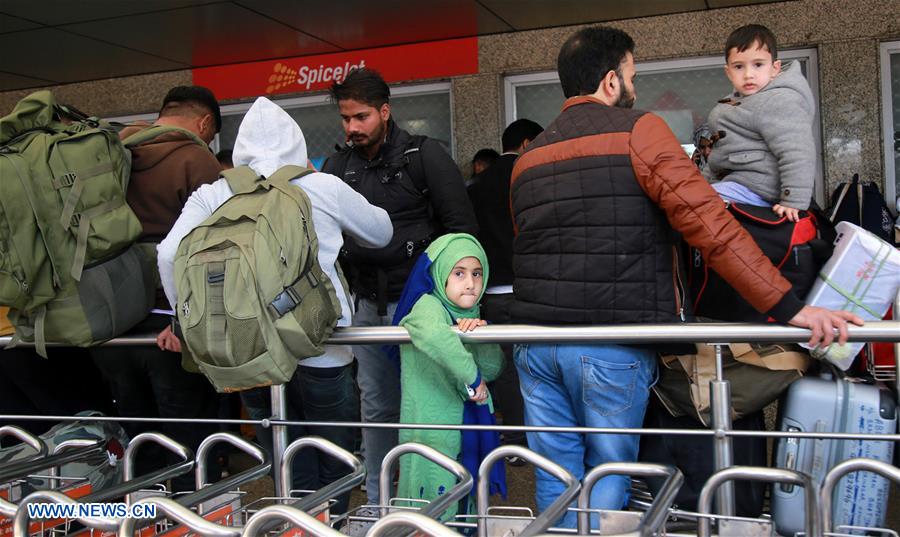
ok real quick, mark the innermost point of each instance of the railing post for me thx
(279, 433)
(720, 408)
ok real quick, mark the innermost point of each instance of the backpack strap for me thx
(413, 156)
(154, 131)
(242, 179)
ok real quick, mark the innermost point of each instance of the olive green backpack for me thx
(252, 298)
(69, 270)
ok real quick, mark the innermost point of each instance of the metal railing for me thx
(711, 333)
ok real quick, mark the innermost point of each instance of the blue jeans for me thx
(587, 386)
(313, 394)
(379, 392)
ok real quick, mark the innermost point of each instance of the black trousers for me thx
(63, 384)
(148, 382)
(694, 455)
(505, 390)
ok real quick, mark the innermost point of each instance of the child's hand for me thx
(467, 324)
(481, 393)
(792, 214)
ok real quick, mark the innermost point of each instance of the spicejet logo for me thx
(307, 76)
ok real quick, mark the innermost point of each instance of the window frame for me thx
(811, 55)
(316, 99)
(885, 51)
(321, 98)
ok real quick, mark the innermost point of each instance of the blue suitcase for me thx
(825, 405)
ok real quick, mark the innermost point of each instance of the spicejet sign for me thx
(437, 59)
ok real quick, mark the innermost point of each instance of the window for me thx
(682, 92)
(422, 109)
(890, 94)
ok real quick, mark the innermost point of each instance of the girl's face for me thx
(465, 282)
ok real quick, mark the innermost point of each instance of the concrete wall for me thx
(847, 34)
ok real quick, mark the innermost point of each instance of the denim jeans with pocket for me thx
(587, 386)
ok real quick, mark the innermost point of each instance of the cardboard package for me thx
(862, 276)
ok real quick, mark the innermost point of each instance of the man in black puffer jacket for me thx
(419, 185)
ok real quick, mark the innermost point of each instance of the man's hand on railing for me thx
(822, 322)
(168, 341)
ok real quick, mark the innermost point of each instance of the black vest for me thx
(591, 248)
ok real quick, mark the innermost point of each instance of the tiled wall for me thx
(847, 34)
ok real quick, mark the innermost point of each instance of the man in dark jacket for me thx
(419, 185)
(166, 168)
(597, 200)
(490, 199)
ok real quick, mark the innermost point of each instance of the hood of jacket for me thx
(268, 138)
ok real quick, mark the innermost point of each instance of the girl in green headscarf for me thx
(439, 373)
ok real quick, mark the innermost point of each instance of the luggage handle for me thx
(26, 438)
(753, 473)
(551, 513)
(826, 492)
(653, 519)
(268, 516)
(181, 514)
(409, 519)
(356, 476)
(438, 506)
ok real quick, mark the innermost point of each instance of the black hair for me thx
(745, 36)
(518, 131)
(588, 55)
(363, 85)
(486, 155)
(225, 157)
(191, 95)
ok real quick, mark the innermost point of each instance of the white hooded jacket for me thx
(268, 139)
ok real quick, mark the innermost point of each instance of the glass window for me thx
(890, 91)
(682, 92)
(417, 109)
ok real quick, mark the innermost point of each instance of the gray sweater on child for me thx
(768, 144)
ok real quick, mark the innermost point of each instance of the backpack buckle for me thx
(75, 221)
(285, 302)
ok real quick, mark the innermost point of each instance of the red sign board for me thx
(436, 59)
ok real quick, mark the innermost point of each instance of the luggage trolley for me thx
(213, 522)
(491, 524)
(216, 503)
(431, 510)
(316, 503)
(129, 486)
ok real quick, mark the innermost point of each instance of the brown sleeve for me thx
(694, 209)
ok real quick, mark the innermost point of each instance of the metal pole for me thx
(279, 434)
(720, 407)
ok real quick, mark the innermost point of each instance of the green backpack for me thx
(253, 299)
(69, 270)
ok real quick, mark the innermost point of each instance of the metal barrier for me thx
(713, 333)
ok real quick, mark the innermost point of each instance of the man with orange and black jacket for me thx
(598, 200)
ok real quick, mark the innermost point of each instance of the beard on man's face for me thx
(626, 98)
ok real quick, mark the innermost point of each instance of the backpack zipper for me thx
(679, 286)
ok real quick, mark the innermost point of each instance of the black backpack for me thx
(797, 249)
(861, 203)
